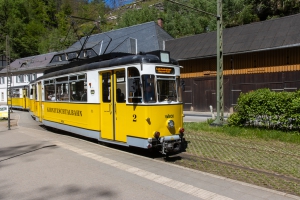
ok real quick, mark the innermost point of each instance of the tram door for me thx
(113, 90)
(40, 109)
(107, 114)
(24, 98)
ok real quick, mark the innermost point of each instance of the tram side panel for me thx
(31, 106)
(36, 109)
(79, 115)
(16, 102)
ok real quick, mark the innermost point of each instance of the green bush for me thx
(267, 109)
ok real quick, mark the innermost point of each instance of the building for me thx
(22, 71)
(258, 55)
(144, 37)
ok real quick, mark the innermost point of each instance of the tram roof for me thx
(259, 36)
(97, 63)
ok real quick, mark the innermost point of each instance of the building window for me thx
(2, 80)
(28, 76)
(33, 77)
(20, 79)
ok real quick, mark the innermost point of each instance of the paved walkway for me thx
(38, 164)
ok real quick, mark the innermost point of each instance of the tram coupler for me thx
(170, 144)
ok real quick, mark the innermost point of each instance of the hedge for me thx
(268, 109)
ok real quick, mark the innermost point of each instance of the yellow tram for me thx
(129, 100)
(19, 97)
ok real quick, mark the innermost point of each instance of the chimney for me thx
(160, 22)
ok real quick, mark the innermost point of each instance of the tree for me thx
(133, 17)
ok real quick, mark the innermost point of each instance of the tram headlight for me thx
(171, 124)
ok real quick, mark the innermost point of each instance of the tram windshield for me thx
(166, 88)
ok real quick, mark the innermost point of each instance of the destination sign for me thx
(164, 70)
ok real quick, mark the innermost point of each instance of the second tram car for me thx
(131, 100)
(20, 97)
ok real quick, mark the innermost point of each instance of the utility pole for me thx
(220, 100)
(8, 81)
(220, 92)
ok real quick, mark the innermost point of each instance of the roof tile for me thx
(251, 37)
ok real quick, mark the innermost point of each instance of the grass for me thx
(246, 132)
(266, 158)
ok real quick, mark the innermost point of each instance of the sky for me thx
(120, 2)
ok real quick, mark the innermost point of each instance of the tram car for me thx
(129, 100)
(20, 97)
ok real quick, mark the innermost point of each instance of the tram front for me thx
(162, 98)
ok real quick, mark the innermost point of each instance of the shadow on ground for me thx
(12, 152)
(8, 191)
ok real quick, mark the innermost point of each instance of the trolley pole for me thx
(8, 84)
(220, 100)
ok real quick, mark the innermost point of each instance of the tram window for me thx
(62, 79)
(167, 90)
(50, 92)
(62, 92)
(16, 93)
(180, 88)
(134, 87)
(133, 72)
(149, 89)
(121, 86)
(73, 78)
(78, 87)
(78, 91)
(49, 89)
(106, 87)
(82, 77)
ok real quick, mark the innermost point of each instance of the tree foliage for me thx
(42, 26)
(180, 21)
